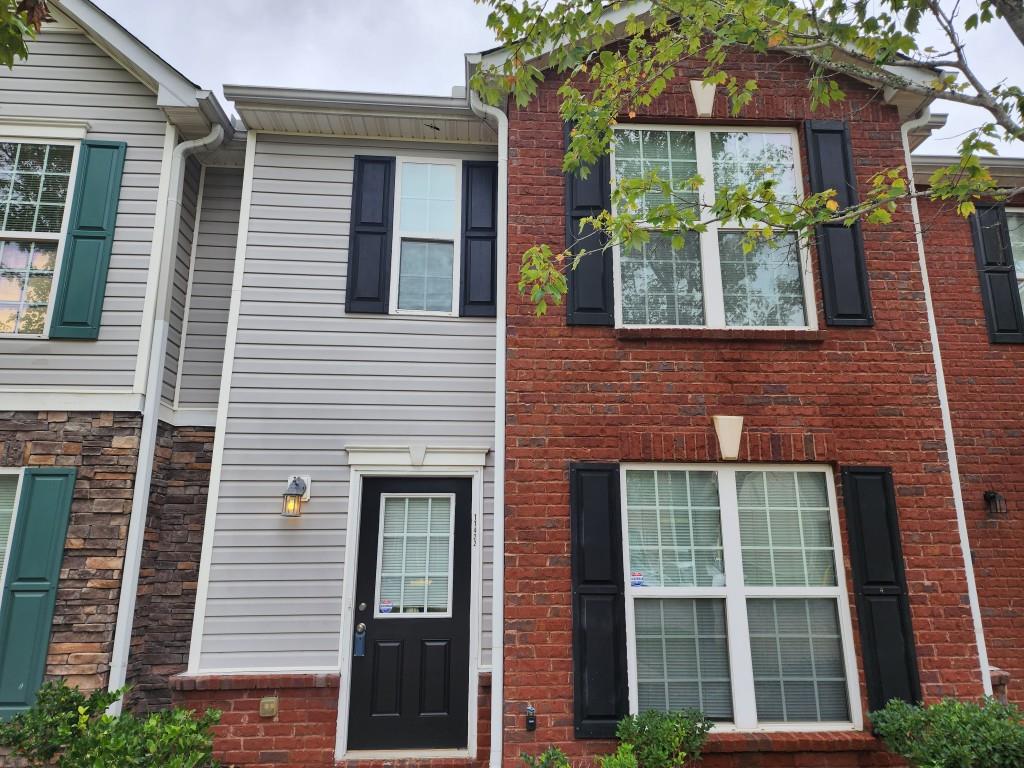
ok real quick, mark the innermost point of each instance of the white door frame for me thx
(413, 462)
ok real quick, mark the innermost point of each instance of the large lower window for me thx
(735, 596)
(427, 227)
(1015, 222)
(34, 184)
(710, 279)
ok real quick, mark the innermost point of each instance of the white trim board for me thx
(188, 417)
(357, 473)
(223, 401)
(70, 400)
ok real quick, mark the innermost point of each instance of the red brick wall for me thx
(985, 382)
(104, 447)
(169, 573)
(303, 733)
(855, 396)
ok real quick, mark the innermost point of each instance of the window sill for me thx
(787, 741)
(787, 335)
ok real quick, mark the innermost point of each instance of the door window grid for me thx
(767, 288)
(414, 559)
(833, 642)
(35, 179)
(426, 240)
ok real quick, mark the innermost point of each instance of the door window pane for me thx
(797, 653)
(8, 490)
(26, 277)
(764, 287)
(682, 656)
(785, 529)
(425, 276)
(662, 285)
(675, 532)
(414, 563)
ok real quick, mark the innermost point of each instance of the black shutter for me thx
(844, 272)
(880, 587)
(590, 285)
(478, 294)
(598, 607)
(369, 241)
(998, 276)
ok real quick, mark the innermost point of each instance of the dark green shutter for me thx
(30, 588)
(998, 275)
(880, 586)
(590, 285)
(369, 241)
(478, 295)
(90, 239)
(600, 686)
(844, 272)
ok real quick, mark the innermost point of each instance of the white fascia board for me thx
(1007, 171)
(70, 400)
(359, 102)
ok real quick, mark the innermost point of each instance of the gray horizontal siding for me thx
(216, 239)
(179, 279)
(307, 380)
(66, 76)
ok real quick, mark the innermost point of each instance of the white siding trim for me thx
(44, 128)
(70, 400)
(415, 456)
(188, 288)
(352, 522)
(224, 400)
(188, 417)
(153, 273)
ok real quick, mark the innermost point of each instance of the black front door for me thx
(410, 660)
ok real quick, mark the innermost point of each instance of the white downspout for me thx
(947, 419)
(151, 412)
(498, 583)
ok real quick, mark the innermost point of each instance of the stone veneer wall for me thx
(104, 447)
(169, 575)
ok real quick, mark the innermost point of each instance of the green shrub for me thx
(664, 739)
(552, 757)
(623, 757)
(67, 729)
(953, 734)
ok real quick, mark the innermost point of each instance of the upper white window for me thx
(709, 281)
(736, 602)
(1015, 222)
(35, 184)
(426, 237)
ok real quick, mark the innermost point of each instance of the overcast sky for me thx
(399, 46)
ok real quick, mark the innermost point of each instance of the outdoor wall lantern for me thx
(293, 496)
(996, 504)
(729, 430)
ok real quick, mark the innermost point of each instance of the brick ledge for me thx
(253, 682)
(781, 741)
(719, 334)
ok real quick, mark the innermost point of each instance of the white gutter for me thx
(947, 419)
(498, 583)
(151, 411)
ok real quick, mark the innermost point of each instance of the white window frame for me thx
(399, 235)
(19, 472)
(58, 138)
(735, 594)
(380, 557)
(711, 271)
(1018, 211)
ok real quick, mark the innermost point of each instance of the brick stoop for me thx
(303, 733)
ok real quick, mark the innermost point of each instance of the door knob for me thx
(360, 628)
(359, 641)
